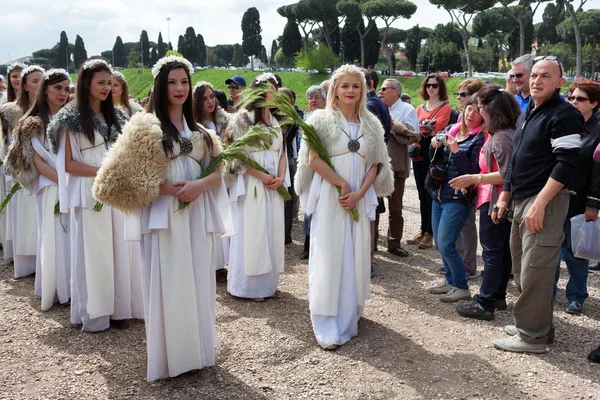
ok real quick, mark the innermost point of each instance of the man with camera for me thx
(405, 123)
(546, 145)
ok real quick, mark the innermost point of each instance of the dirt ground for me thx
(410, 345)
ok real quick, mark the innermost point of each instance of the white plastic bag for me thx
(585, 238)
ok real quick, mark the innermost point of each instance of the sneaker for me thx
(474, 310)
(594, 356)
(426, 242)
(417, 239)
(518, 345)
(595, 266)
(512, 331)
(442, 271)
(442, 287)
(499, 305)
(456, 294)
(574, 308)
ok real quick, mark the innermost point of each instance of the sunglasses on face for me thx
(383, 88)
(432, 85)
(580, 99)
(513, 76)
(462, 95)
(233, 87)
(550, 58)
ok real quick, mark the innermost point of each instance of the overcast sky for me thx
(36, 24)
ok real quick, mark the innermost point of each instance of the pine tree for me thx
(191, 51)
(274, 49)
(162, 48)
(238, 59)
(181, 44)
(63, 55)
(119, 53)
(372, 45)
(145, 48)
(202, 50)
(170, 46)
(251, 38)
(291, 41)
(79, 53)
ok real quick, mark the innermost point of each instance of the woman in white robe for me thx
(21, 226)
(340, 261)
(105, 270)
(256, 253)
(31, 163)
(120, 95)
(162, 156)
(210, 115)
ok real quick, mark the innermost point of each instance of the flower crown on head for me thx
(94, 62)
(171, 59)
(14, 66)
(32, 68)
(57, 71)
(203, 83)
(264, 78)
(119, 76)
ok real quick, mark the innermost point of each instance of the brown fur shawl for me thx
(136, 165)
(19, 160)
(221, 122)
(10, 114)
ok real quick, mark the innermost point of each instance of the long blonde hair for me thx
(333, 103)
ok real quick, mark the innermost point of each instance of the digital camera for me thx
(441, 138)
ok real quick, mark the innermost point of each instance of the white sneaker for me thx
(441, 287)
(518, 345)
(512, 331)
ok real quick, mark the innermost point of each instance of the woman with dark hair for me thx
(13, 74)
(221, 99)
(21, 224)
(434, 116)
(30, 162)
(120, 94)
(499, 111)
(256, 254)
(104, 290)
(457, 152)
(207, 110)
(585, 96)
(177, 243)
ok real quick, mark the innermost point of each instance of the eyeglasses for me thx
(513, 76)
(550, 58)
(462, 95)
(580, 99)
(233, 87)
(383, 88)
(432, 85)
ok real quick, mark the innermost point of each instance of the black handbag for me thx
(438, 171)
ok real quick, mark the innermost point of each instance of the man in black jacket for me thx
(546, 145)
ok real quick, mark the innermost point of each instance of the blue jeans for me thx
(578, 269)
(448, 220)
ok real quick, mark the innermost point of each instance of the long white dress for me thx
(256, 252)
(20, 229)
(106, 271)
(179, 278)
(340, 260)
(53, 267)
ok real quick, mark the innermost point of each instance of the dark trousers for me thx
(421, 169)
(288, 208)
(495, 241)
(396, 220)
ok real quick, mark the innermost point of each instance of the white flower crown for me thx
(120, 76)
(13, 66)
(94, 62)
(32, 68)
(202, 83)
(57, 71)
(267, 76)
(170, 59)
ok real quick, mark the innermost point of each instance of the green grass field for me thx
(140, 82)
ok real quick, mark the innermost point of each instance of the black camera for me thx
(507, 215)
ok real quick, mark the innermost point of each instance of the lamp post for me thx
(168, 31)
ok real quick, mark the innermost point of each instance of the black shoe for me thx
(398, 251)
(473, 310)
(595, 266)
(594, 356)
(500, 305)
(304, 255)
(288, 240)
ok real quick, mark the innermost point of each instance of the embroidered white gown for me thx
(53, 267)
(340, 259)
(179, 278)
(21, 229)
(256, 252)
(106, 271)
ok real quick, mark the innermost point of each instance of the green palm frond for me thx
(16, 187)
(97, 207)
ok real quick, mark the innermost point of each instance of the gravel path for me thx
(410, 345)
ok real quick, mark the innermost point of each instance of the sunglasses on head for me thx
(462, 95)
(580, 99)
(550, 58)
(233, 87)
(513, 76)
(432, 85)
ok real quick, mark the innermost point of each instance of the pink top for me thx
(597, 154)
(484, 191)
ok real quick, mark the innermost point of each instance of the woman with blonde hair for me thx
(340, 251)
(120, 95)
